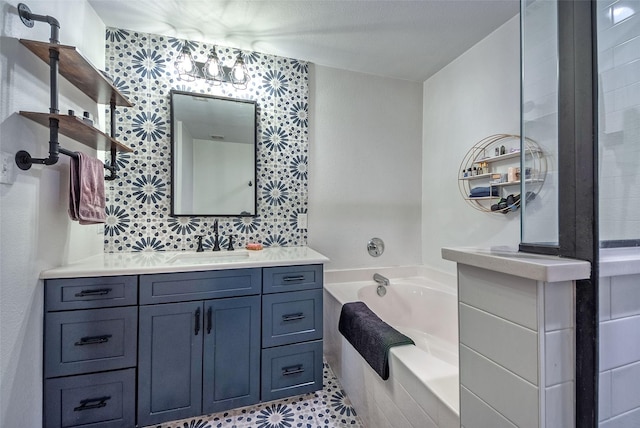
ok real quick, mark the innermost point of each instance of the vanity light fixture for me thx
(212, 70)
(239, 73)
(184, 65)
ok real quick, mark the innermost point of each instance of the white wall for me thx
(364, 167)
(475, 96)
(35, 231)
(619, 121)
(222, 171)
(619, 354)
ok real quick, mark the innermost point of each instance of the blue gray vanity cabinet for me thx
(198, 356)
(90, 337)
(291, 331)
(141, 350)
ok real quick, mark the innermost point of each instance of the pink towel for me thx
(86, 190)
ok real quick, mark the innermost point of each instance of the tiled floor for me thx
(327, 408)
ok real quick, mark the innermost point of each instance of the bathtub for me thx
(423, 386)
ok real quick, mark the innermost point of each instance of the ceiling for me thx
(409, 40)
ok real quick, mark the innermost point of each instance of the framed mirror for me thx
(213, 155)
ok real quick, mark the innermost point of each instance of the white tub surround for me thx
(517, 337)
(619, 353)
(422, 389)
(111, 264)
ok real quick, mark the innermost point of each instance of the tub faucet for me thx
(381, 280)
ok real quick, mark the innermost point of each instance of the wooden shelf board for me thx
(80, 72)
(76, 129)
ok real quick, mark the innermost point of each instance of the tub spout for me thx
(381, 280)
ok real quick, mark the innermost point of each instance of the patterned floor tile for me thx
(327, 408)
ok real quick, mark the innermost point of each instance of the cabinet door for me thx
(231, 376)
(170, 362)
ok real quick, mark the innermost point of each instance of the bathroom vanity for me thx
(135, 339)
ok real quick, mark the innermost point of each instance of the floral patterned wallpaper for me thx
(138, 201)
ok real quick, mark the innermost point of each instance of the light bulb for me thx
(212, 69)
(184, 65)
(239, 74)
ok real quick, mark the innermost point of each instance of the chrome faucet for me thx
(381, 280)
(383, 283)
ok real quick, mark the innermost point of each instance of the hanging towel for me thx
(370, 336)
(86, 190)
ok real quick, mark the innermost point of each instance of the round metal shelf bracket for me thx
(25, 15)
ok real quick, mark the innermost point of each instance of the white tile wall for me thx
(503, 363)
(512, 346)
(559, 356)
(625, 388)
(558, 304)
(626, 420)
(619, 347)
(509, 394)
(625, 296)
(604, 299)
(604, 395)
(619, 342)
(479, 414)
(417, 417)
(560, 405)
(509, 297)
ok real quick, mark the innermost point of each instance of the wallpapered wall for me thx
(138, 202)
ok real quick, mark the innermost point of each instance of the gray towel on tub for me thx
(370, 336)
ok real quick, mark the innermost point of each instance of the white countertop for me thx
(508, 260)
(112, 264)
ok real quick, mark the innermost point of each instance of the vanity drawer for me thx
(181, 287)
(291, 317)
(291, 370)
(291, 278)
(102, 400)
(87, 293)
(90, 340)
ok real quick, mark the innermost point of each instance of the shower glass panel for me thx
(539, 62)
(618, 34)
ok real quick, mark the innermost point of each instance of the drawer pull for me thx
(96, 292)
(97, 403)
(293, 278)
(291, 370)
(292, 317)
(93, 340)
(197, 328)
